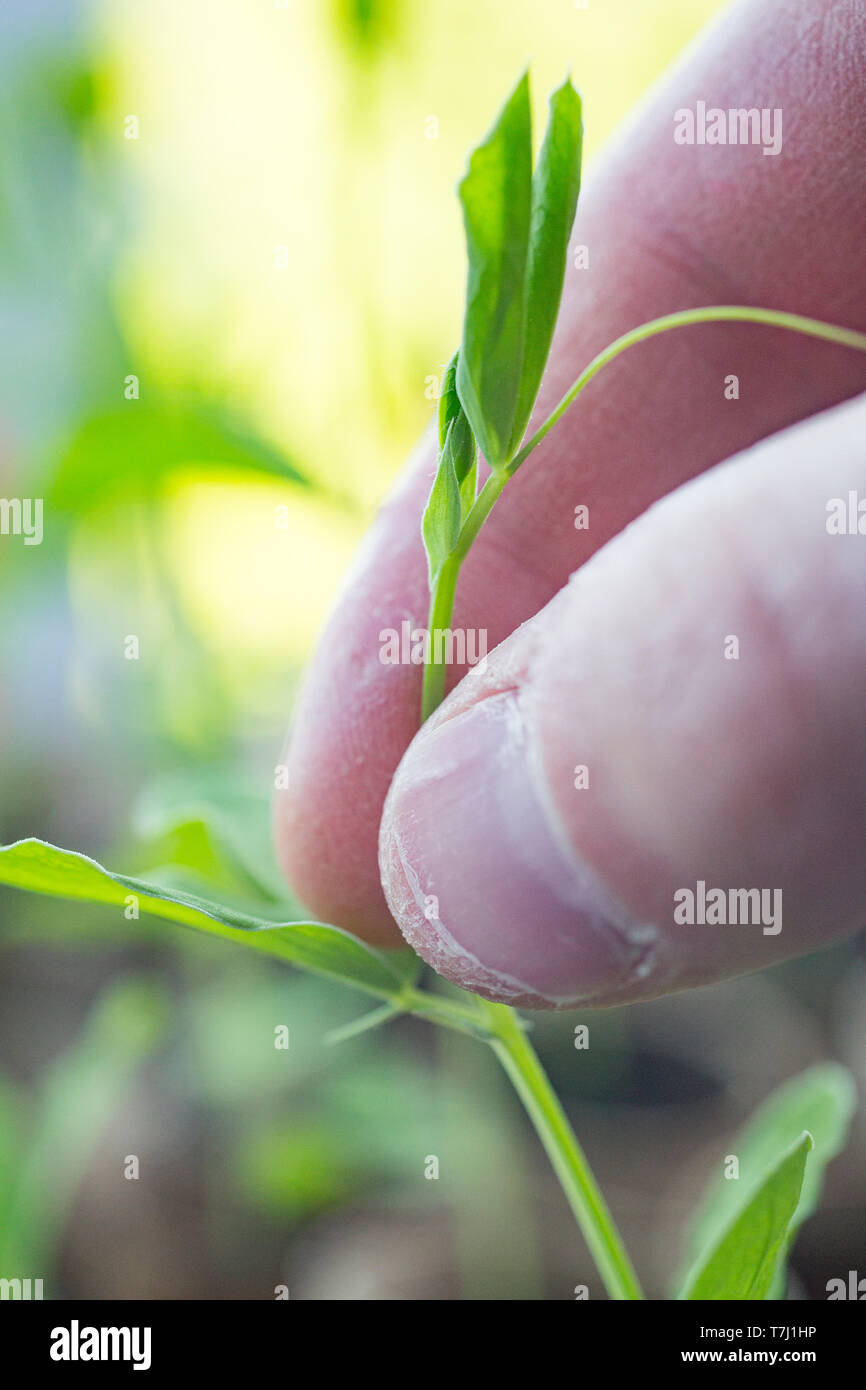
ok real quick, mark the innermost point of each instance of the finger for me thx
(667, 226)
(688, 711)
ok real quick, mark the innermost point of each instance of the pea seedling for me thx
(518, 225)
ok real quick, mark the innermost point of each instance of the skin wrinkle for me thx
(703, 277)
(435, 940)
(440, 951)
(639, 940)
(448, 958)
(446, 955)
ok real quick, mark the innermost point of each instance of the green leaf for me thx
(469, 484)
(821, 1100)
(460, 444)
(449, 400)
(451, 495)
(555, 186)
(496, 194)
(455, 432)
(518, 226)
(215, 808)
(741, 1263)
(440, 524)
(43, 868)
(136, 444)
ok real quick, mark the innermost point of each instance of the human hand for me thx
(738, 773)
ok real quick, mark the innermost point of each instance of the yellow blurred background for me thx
(298, 248)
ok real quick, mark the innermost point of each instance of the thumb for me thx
(582, 821)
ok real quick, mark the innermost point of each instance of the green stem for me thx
(442, 595)
(441, 608)
(503, 1029)
(390, 1009)
(449, 1013)
(713, 313)
(520, 1061)
(444, 589)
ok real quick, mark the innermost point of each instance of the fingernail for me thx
(483, 883)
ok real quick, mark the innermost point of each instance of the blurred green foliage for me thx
(295, 380)
(48, 1137)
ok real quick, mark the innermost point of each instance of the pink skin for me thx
(743, 773)
(673, 794)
